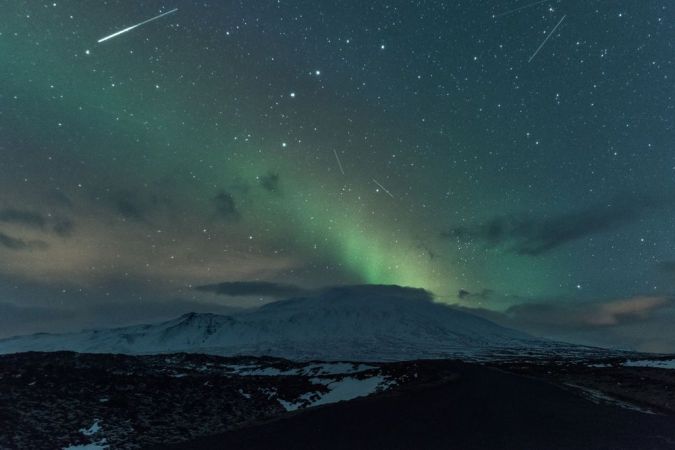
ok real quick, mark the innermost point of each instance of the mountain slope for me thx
(349, 323)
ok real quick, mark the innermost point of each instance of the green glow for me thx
(157, 136)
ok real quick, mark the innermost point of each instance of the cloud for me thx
(364, 291)
(463, 294)
(226, 206)
(22, 217)
(31, 219)
(25, 319)
(129, 206)
(431, 254)
(270, 182)
(13, 243)
(63, 227)
(627, 310)
(138, 204)
(536, 236)
(555, 317)
(253, 288)
(639, 323)
(282, 291)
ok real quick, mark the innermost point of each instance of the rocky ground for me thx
(62, 399)
(53, 400)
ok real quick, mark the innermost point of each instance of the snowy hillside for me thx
(351, 323)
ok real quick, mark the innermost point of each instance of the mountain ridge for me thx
(376, 323)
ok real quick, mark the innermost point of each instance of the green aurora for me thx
(202, 148)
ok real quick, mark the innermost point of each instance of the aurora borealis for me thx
(201, 148)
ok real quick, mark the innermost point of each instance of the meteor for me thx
(511, 11)
(137, 25)
(383, 188)
(339, 162)
(547, 38)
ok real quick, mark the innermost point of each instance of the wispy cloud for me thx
(545, 317)
(22, 217)
(485, 294)
(13, 243)
(32, 219)
(532, 236)
(252, 288)
(226, 207)
(271, 182)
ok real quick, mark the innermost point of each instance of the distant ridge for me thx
(368, 323)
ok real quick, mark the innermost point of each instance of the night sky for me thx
(274, 146)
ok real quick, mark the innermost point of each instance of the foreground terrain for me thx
(64, 399)
(480, 409)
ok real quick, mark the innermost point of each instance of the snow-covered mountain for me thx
(368, 323)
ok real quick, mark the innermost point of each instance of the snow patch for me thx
(344, 389)
(244, 394)
(334, 368)
(657, 363)
(253, 370)
(92, 430)
(599, 398)
(337, 368)
(270, 393)
(348, 388)
(99, 444)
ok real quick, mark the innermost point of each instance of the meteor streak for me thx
(547, 38)
(383, 188)
(136, 26)
(511, 11)
(339, 162)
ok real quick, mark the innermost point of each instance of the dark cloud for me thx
(128, 205)
(640, 323)
(226, 206)
(140, 203)
(667, 267)
(32, 219)
(535, 236)
(288, 291)
(366, 291)
(463, 294)
(271, 182)
(22, 217)
(546, 317)
(252, 288)
(431, 253)
(13, 243)
(17, 319)
(63, 227)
